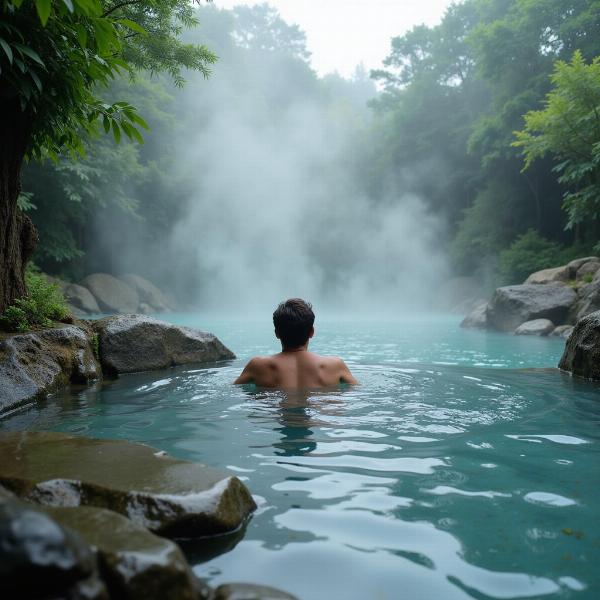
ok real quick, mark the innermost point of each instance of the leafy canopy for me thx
(569, 129)
(54, 55)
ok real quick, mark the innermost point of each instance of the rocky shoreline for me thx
(82, 518)
(85, 519)
(103, 293)
(548, 302)
(36, 363)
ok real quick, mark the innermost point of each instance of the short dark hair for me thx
(293, 320)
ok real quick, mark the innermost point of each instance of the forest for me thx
(490, 120)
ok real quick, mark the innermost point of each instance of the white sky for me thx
(343, 33)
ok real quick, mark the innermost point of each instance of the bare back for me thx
(296, 369)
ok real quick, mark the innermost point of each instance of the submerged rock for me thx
(549, 275)
(131, 343)
(136, 564)
(112, 294)
(516, 304)
(582, 351)
(41, 559)
(33, 364)
(248, 591)
(477, 318)
(149, 294)
(168, 496)
(535, 327)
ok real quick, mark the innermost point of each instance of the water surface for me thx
(463, 466)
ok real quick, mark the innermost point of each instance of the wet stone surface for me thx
(166, 495)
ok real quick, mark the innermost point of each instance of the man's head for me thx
(293, 320)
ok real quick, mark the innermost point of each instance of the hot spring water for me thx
(461, 467)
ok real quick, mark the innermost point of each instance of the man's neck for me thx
(303, 348)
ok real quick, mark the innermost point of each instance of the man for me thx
(295, 367)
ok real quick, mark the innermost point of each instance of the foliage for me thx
(530, 252)
(54, 56)
(43, 305)
(569, 129)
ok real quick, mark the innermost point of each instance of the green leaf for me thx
(36, 80)
(31, 53)
(132, 25)
(135, 118)
(7, 50)
(116, 131)
(137, 135)
(69, 5)
(44, 8)
(106, 124)
(81, 35)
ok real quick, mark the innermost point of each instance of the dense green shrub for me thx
(530, 252)
(43, 305)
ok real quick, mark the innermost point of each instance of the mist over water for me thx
(282, 202)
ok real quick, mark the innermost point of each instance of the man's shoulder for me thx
(329, 361)
(261, 361)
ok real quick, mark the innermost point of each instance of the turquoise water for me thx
(461, 467)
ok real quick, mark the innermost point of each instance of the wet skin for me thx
(295, 369)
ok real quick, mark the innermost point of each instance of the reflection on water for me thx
(427, 481)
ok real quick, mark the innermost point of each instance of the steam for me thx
(280, 203)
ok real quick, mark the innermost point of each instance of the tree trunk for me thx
(17, 233)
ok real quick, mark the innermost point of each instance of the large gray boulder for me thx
(36, 363)
(39, 559)
(588, 301)
(148, 292)
(563, 331)
(131, 343)
(81, 298)
(168, 496)
(515, 304)
(582, 351)
(137, 564)
(535, 327)
(549, 275)
(112, 294)
(576, 264)
(477, 318)
(589, 269)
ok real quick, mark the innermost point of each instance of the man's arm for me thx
(345, 375)
(248, 374)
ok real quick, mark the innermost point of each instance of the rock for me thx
(81, 298)
(477, 318)
(515, 304)
(588, 269)
(535, 327)
(166, 495)
(588, 301)
(574, 265)
(148, 292)
(132, 343)
(136, 564)
(549, 275)
(582, 351)
(247, 591)
(33, 364)
(112, 294)
(41, 559)
(563, 331)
